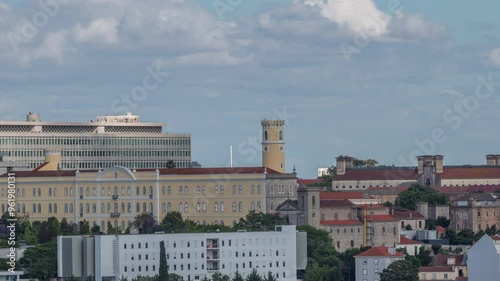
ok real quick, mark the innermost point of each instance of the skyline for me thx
(259, 61)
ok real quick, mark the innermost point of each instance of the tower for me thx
(273, 144)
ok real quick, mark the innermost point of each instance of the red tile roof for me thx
(470, 172)
(340, 222)
(402, 213)
(379, 174)
(435, 269)
(336, 203)
(495, 237)
(41, 166)
(442, 260)
(309, 181)
(342, 195)
(381, 251)
(405, 241)
(380, 218)
(467, 188)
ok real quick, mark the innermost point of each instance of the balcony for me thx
(115, 196)
(213, 246)
(115, 215)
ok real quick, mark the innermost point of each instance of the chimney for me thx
(420, 164)
(493, 160)
(343, 162)
(438, 163)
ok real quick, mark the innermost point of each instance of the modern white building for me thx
(322, 172)
(483, 261)
(109, 141)
(192, 256)
(372, 262)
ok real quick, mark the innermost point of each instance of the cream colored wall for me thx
(107, 181)
(438, 275)
(361, 184)
(274, 157)
(342, 235)
(462, 182)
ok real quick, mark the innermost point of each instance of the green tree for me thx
(123, 278)
(237, 277)
(416, 193)
(465, 237)
(40, 261)
(492, 230)
(436, 249)
(416, 262)
(163, 270)
(254, 276)
(220, 277)
(365, 163)
(269, 277)
(96, 229)
(260, 222)
(48, 230)
(175, 277)
(173, 223)
(84, 228)
(424, 256)
(170, 164)
(145, 223)
(402, 270)
(443, 221)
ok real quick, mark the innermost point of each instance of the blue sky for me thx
(414, 72)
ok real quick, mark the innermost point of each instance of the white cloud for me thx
(206, 58)
(103, 30)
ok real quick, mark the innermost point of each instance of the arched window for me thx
(123, 208)
(314, 201)
(123, 225)
(394, 231)
(169, 191)
(222, 206)
(180, 207)
(34, 191)
(34, 208)
(338, 245)
(259, 189)
(144, 207)
(322, 217)
(103, 208)
(198, 189)
(383, 230)
(216, 207)
(129, 207)
(252, 189)
(163, 207)
(50, 208)
(186, 207)
(352, 243)
(234, 206)
(24, 192)
(103, 192)
(204, 206)
(204, 190)
(271, 189)
(87, 208)
(216, 222)
(143, 190)
(252, 206)
(109, 207)
(216, 189)
(221, 189)
(240, 189)
(123, 190)
(198, 207)
(109, 190)
(50, 191)
(71, 208)
(94, 191)
(428, 182)
(169, 207)
(24, 208)
(137, 191)
(39, 208)
(39, 191)
(271, 205)
(266, 135)
(129, 192)
(259, 209)
(186, 190)
(65, 191)
(66, 208)
(87, 191)
(137, 207)
(240, 207)
(281, 135)
(163, 190)
(94, 208)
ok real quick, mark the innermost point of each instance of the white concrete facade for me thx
(483, 260)
(192, 256)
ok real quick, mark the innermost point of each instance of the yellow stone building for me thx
(273, 144)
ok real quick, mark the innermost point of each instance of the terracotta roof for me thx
(41, 166)
(402, 173)
(440, 229)
(380, 218)
(435, 269)
(467, 188)
(470, 172)
(405, 241)
(381, 251)
(340, 222)
(336, 203)
(309, 181)
(342, 195)
(402, 213)
(36, 174)
(371, 206)
(442, 260)
(478, 197)
(495, 237)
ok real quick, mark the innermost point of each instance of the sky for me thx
(387, 80)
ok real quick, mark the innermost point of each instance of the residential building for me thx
(459, 262)
(407, 217)
(370, 263)
(426, 273)
(483, 259)
(476, 211)
(193, 256)
(430, 171)
(107, 142)
(408, 245)
(431, 211)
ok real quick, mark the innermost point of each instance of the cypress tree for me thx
(163, 270)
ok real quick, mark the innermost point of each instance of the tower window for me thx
(265, 135)
(281, 135)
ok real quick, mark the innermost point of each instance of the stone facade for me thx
(476, 211)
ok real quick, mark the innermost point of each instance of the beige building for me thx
(430, 171)
(273, 144)
(118, 194)
(475, 211)
(426, 273)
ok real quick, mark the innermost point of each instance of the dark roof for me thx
(340, 222)
(400, 173)
(478, 197)
(342, 195)
(442, 260)
(381, 251)
(385, 190)
(435, 269)
(402, 213)
(336, 203)
(470, 172)
(468, 188)
(293, 203)
(37, 174)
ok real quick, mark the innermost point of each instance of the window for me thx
(240, 189)
(375, 261)
(240, 207)
(204, 190)
(180, 190)
(216, 189)
(281, 138)
(234, 206)
(186, 190)
(234, 189)
(365, 261)
(216, 207)
(169, 191)
(222, 207)
(198, 189)
(266, 135)
(221, 189)
(204, 207)
(365, 271)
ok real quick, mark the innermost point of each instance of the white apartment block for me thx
(192, 256)
(106, 142)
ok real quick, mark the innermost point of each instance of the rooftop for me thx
(340, 222)
(380, 218)
(442, 260)
(405, 241)
(383, 173)
(333, 203)
(402, 213)
(343, 195)
(436, 269)
(381, 251)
